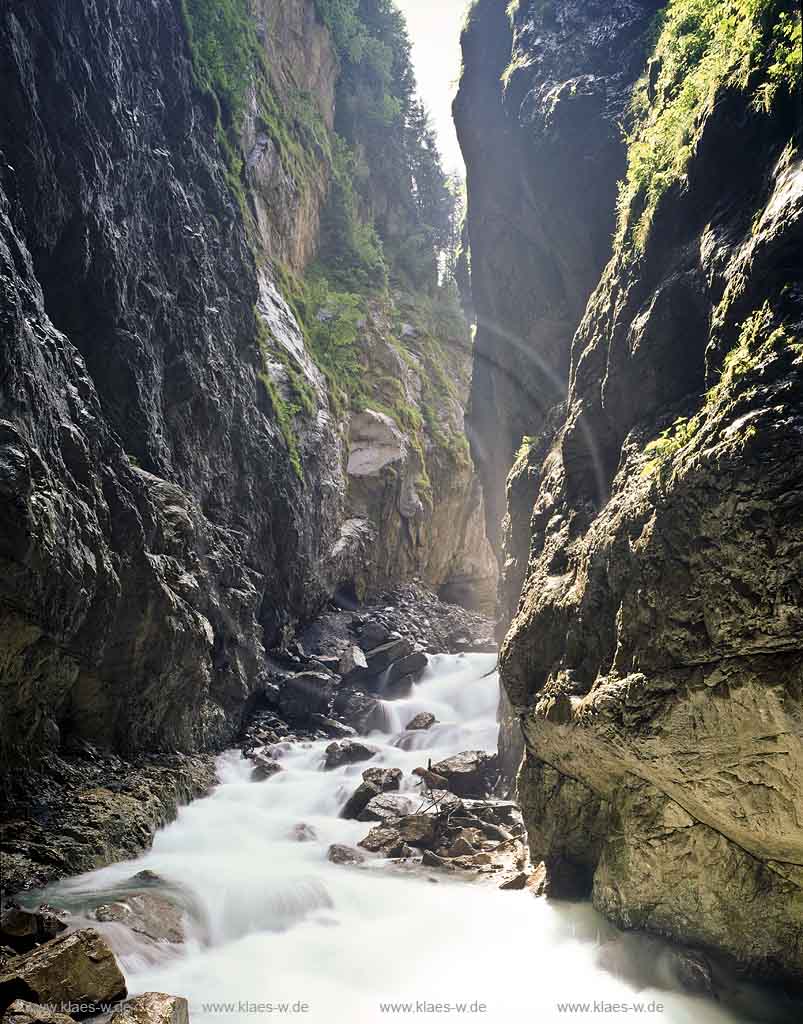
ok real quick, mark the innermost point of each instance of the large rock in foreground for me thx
(76, 968)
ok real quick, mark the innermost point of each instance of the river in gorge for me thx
(271, 921)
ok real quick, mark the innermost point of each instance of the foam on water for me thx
(272, 921)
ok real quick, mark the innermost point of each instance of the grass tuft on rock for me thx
(702, 47)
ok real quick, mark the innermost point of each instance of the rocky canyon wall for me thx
(177, 473)
(648, 361)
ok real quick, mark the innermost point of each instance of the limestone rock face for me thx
(154, 535)
(410, 474)
(169, 509)
(107, 809)
(300, 57)
(655, 516)
(547, 85)
(375, 442)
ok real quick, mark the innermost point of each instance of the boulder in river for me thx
(359, 800)
(147, 877)
(423, 720)
(399, 689)
(471, 773)
(336, 730)
(340, 854)
(431, 859)
(461, 847)
(305, 694)
(356, 708)
(75, 968)
(385, 841)
(411, 665)
(496, 812)
(352, 660)
(418, 829)
(381, 658)
(153, 1008)
(348, 752)
(303, 833)
(440, 801)
(385, 779)
(264, 767)
(389, 806)
(23, 1012)
(146, 914)
(23, 929)
(517, 882)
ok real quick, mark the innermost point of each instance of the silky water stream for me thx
(277, 931)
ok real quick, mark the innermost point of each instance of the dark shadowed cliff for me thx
(639, 357)
(202, 436)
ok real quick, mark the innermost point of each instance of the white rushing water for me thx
(273, 922)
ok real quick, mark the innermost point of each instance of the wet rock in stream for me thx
(264, 767)
(341, 854)
(359, 800)
(471, 773)
(146, 914)
(385, 779)
(423, 720)
(348, 752)
(77, 968)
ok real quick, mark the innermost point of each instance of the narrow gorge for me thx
(400, 576)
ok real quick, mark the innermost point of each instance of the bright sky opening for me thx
(434, 27)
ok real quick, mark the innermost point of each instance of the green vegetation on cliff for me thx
(764, 345)
(703, 47)
(349, 248)
(391, 219)
(224, 47)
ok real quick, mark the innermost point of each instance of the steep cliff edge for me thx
(655, 518)
(175, 441)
